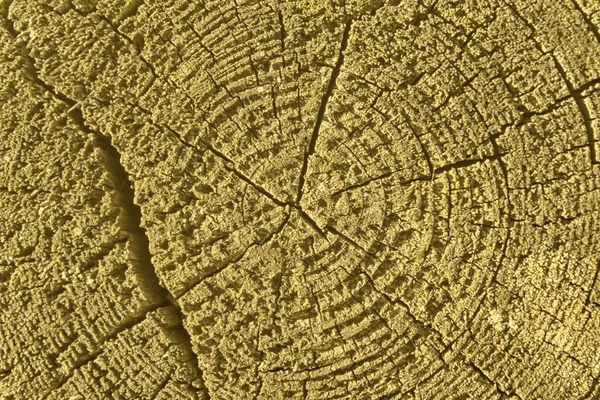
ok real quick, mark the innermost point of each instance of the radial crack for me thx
(93, 355)
(588, 299)
(234, 259)
(437, 171)
(229, 166)
(322, 109)
(130, 222)
(492, 382)
(574, 92)
(583, 110)
(130, 215)
(593, 28)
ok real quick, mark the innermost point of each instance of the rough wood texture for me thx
(268, 199)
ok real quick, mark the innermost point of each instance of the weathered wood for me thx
(390, 199)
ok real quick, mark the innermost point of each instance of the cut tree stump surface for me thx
(269, 199)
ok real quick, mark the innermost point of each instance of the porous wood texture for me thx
(262, 199)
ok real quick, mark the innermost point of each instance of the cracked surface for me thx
(387, 199)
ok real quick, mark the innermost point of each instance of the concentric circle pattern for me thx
(386, 199)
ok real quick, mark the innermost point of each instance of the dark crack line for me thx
(467, 163)
(583, 110)
(588, 395)
(129, 10)
(130, 215)
(575, 93)
(437, 171)
(420, 142)
(229, 165)
(425, 325)
(282, 32)
(322, 109)
(233, 260)
(558, 103)
(397, 301)
(92, 356)
(161, 387)
(130, 222)
(588, 299)
(311, 222)
(364, 183)
(496, 385)
(349, 240)
(593, 28)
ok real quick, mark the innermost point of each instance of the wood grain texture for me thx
(386, 199)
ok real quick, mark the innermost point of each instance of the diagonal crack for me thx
(322, 109)
(420, 142)
(503, 393)
(423, 178)
(588, 20)
(130, 222)
(229, 164)
(348, 240)
(595, 278)
(234, 259)
(425, 325)
(575, 93)
(583, 110)
(129, 10)
(112, 335)
(129, 217)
